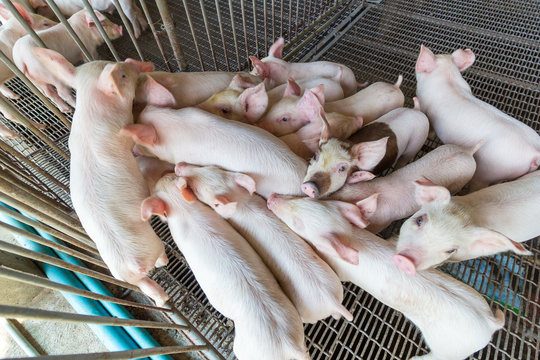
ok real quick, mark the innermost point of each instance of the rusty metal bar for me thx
(53, 232)
(69, 29)
(31, 279)
(19, 157)
(6, 60)
(127, 25)
(169, 28)
(53, 245)
(30, 200)
(19, 312)
(23, 23)
(123, 355)
(192, 29)
(34, 255)
(100, 29)
(218, 11)
(154, 33)
(233, 27)
(205, 20)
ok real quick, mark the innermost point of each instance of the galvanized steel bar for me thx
(281, 18)
(192, 29)
(53, 232)
(205, 20)
(69, 29)
(127, 26)
(34, 255)
(265, 13)
(273, 22)
(6, 60)
(123, 355)
(19, 312)
(169, 28)
(243, 11)
(13, 330)
(23, 23)
(290, 20)
(31, 279)
(15, 114)
(296, 19)
(220, 25)
(233, 27)
(256, 29)
(53, 245)
(100, 29)
(154, 33)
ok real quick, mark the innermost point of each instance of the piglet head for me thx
(112, 30)
(451, 65)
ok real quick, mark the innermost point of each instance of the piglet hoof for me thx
(405, 264)
(310, 189)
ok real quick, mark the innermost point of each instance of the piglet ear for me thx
(141, 66)
(292, 89)
(246, 182)
(354, 214)
(181, 183)
(153, 205)
(426, 61)
(368, 154)
(253, 102)
(155, 93)
(110, 80)
(488, 242)
(309, 105)
(240, 83)
(259, 67)
(368, 206)
(463, 58)
(427, 192)
(276, 50)
(141, 133)
(359, 176)
(226, 210)
(336, 247)
(326, 132)
(318, 91)
(56, 64)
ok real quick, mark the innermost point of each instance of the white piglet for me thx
(231, 274)
(308, 281)
(454, 319)
(511, 147)
(106, 186)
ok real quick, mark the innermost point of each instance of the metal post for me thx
(100, 29)
(169, 28)
(153, 29)
(218, 11)
(23, 23)
(205, 19)
(233, 27)
(127, 25)
(192, 29)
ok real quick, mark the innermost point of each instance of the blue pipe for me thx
(114, 338)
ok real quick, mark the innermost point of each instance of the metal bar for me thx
(19, 312)
(205, 19)
(233, 26)
(290, 19)
(34, 255)
(273, 22)
(256, 29)
(127, 25)
(53, 232)
(243, 10)
(123, 355)
(19, 157)
(31, 279)
(69, 29)
(265, 11)
(100, 29)
(53, 245)
(296, 20)
(23, 23)
(169, 28)
(19, 338)
(20, 173)
(18, 117)
(154, 33)
(32, 201)
(218, 11)
(6, 60)
(281, 18)
(192, 29)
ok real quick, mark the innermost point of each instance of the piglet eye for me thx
(123, 76)
(451, 251)
(225, 111)
(420, 220)
(284, 119)
(315, 157)
(342, 168)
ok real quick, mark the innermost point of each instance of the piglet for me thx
(196, 136)
(291, 113)
(392, 140)
(485, 222)
(106, 186)
(391, 198)
(454, 319)
(246, 102)
(179, 90)
(231, 274)
(275, 71)
(312, 286)
(58, 39)
(152, 169)
(511, 148)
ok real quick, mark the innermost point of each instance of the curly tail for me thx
(399, 81)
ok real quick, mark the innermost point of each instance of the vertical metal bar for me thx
(203, 10)
(127, 25)
(245, 29)
(309, 12)
(31, 279)
(192, 29)
(304, 15)
(218, 11)
(6, 60)
(23, 23)
(281, 18)
(169, 28)
(296, 20)
(19, 338)
(273, 22)
(233, 26)
(290, 19)
(100, 29)
(69, 29)
(154, 33)
(15, 114)
(265, 11)
(256, 28)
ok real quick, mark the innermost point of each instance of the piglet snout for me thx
(405, 263)
(119, 29)
(310, 189)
